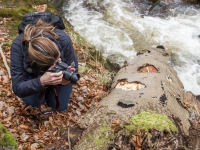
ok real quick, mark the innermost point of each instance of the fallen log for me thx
(147, 84)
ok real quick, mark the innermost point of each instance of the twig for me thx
(69, 139)
(6, 65)
(4, 60)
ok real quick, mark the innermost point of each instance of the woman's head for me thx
(42, 51)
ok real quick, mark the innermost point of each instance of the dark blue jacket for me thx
(22, 85)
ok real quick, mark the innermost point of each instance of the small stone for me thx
(79, 98)
(2, 104)
(126, 103)
(84, 89)
(34, 146)
(2, 73)
(11, 110)
(4, 114)
(24, 137)
(86, 77)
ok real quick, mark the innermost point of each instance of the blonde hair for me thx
(41, 50)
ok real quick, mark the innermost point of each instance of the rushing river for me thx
(118, 30)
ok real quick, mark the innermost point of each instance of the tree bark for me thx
(147, 83)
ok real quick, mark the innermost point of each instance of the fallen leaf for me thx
(24, 126)
(7, 119)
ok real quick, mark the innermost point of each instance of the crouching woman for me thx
(34, 54)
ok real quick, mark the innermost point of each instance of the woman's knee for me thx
(32, 100)
(64, 93)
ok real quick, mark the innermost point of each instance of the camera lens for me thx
(67, 74)
(70, 75)
(74, 78)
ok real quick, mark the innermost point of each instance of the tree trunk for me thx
(148, 83)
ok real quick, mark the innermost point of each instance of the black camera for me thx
(73, 77)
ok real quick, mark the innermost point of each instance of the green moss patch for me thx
(7, 139)
(100, 141)
(150, 120)
(102, 136)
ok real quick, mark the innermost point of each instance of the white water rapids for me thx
(118, 31)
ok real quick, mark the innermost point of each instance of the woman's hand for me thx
(64, 81)
(71, 68)
(49, 78)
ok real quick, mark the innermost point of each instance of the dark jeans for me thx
(63, 93)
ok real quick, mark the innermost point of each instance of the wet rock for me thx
(192, 1)
(161, 47)
(126, 103)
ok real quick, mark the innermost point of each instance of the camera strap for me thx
(55, 109)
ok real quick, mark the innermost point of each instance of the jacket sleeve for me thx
(23, 84)
(69, 54)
